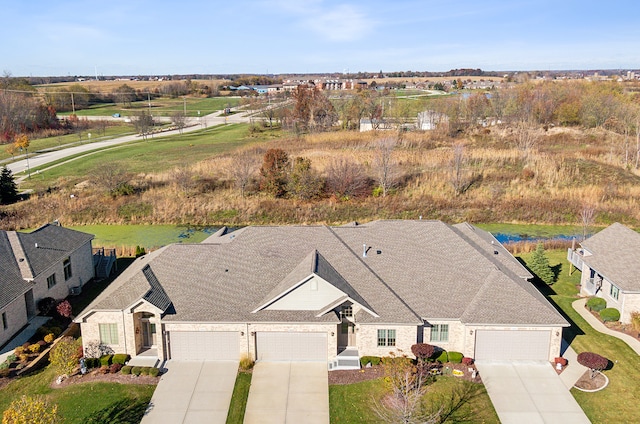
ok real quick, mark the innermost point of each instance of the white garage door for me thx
(512, 345)
(276, 346)
(204, 345)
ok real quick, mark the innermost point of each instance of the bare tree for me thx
(587, 215)
(385, 166)
(184, 179)
(179, 120)
(346, 178)
(525, 139)
(143, 123)
(112, 178)
(243, 168)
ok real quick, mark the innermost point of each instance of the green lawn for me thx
(353, 403)
(154, 155)
(161, 107)
(147, 236)
(83, 403)
(239, 398)
(619, 401)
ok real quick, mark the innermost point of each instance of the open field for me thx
(618, 402)
(103, 86)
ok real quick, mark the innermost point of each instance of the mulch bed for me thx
(617, 326)
(94, 377)
(587, 383)
(372, 373)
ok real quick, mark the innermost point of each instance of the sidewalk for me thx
(578, 305)
(574, 370)
(35, 323)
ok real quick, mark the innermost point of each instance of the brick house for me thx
(319, 292)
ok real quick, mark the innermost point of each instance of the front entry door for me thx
(347, 334)
(148, 334)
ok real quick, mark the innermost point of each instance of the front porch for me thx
(146, 358)
(348, 359)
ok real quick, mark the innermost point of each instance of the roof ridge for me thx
(20, 256)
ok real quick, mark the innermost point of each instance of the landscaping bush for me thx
(596, 304)
(373, 360)
(18, 351)
(25, 346)
(610, 315)
(455, 357)
(114, 368)
(5, 365)
(635, 320)
(136, 371)
(442, 357)
(49, 338)
(34, 348)
(120, 358)
(144, 370)
(126, 370)
(42, 343)
(423, 351)
(11, 358)
(55, 330)
(104, 369)
(154, 372)
(106, 360)
(46, 305)
(467, 361)
(23, 357)
(246, 363)
(5, 372)
(593, 361)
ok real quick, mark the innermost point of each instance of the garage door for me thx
(204, 345)
(276, 346)
(512, 345)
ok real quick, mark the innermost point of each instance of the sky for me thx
(141, 37)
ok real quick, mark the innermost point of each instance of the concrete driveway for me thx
(288, 392)
(529, 392)
(193, 392)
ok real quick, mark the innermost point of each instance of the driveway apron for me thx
(193, 392)
(529, 392)
(288, 392)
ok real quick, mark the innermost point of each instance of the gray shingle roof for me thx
(615, 254)
(12, 284)
(413, 269)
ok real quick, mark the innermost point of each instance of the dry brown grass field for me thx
(108, 86)
(568, 169)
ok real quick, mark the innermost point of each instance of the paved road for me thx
(194, 124)
(529, 392)
(193, 392)
(288, 392)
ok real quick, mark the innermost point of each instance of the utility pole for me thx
(184, 99)
(73, 105)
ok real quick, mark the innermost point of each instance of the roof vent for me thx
(495, 252)
(364, 250)
(36, 245)
(379, 252)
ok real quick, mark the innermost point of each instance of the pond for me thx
(514, 238)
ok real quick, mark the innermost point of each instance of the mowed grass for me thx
(85, 402)
(239, 398)
(163, 106)
(59, 141)
(154, 155)
(618, 403)
(147, 236)
(354, 403)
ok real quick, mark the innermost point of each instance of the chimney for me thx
(364, 250)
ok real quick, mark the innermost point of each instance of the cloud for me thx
(340, 23)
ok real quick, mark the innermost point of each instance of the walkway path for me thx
(579, 304)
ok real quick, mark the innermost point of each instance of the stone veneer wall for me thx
(16, 313)
(367, 339)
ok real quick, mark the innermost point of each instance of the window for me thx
(386, 338)
(613, 292)
(67, 268)
(347, 311)
(440, 333)
(108, 333)
(51, 281)
(4, 321)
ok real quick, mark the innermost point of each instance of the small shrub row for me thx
(129, 370)
(120, 358)
(467, 361)
(596, 304)
(441, 357)
(610, 315)
(373, 360)
(635, 320)
(455, 357)
(106, 360)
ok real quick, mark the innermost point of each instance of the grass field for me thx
(108, 86)
(161, 107)
(617, 403)
(83, 403)
(153, 155)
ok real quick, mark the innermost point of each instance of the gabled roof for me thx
(615, 254)
(12, 284)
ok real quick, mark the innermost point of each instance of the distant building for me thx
(430, 120)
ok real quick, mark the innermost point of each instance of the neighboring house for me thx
(47, 262)
(610, 265)
(430, 120)
(311, 292)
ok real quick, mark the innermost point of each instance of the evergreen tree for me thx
(540, 265)
(8, 188)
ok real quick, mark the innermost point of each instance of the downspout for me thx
(248, 344)
(124, 333)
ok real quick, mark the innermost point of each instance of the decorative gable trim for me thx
(341, 301)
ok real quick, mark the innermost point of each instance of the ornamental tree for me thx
(64, 356)
(593, 361)
(64, 309)
(423, 351)
(540, 265)
(28, 410)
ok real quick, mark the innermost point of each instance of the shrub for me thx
(144, 370)
(423, 351)
(126, 370)
(64, 309)
(26, 345)
(114, 368)
(593, 361)
(5, 365)
(42, 343)
(373, 360)
(104, 369)
(23, 357)
(455, 357)
(55, 330)
(154, 372)
(610, 315)
(596, 304)
(46, 305)
(120, 358)
(31, 410)
(635, 320)
(64, 355)
(49, 338)
(92, 362)
(18, 351)
(34, 348)
(11, 358)
(467, 361)
(106, 360)
(442, 357)
(5, 372)
(136, 371)
(540, 265)
(246, 363)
